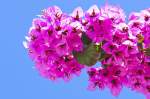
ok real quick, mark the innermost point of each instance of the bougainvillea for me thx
(62, 45)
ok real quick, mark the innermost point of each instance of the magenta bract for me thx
(61, 45)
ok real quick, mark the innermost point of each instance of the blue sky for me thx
(18, 79)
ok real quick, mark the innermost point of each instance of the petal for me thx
(134, 16)
(27, 38)
(77, 13)
(94, 9)
(25, 44)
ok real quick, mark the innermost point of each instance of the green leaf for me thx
(140, 46)
(86, 40)
(102, 55)
(89, 56)
(147, 51)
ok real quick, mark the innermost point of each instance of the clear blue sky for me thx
(18, 80)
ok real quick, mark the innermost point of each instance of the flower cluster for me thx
(126, 53)
(51, 40)
(61, 45)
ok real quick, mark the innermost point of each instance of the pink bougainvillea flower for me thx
(61, 45)
(77, 14)
(52, 40)
(92, 12)
(113, 12)
(100, 30)
(74, 42)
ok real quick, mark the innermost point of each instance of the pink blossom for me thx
(61, 45)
